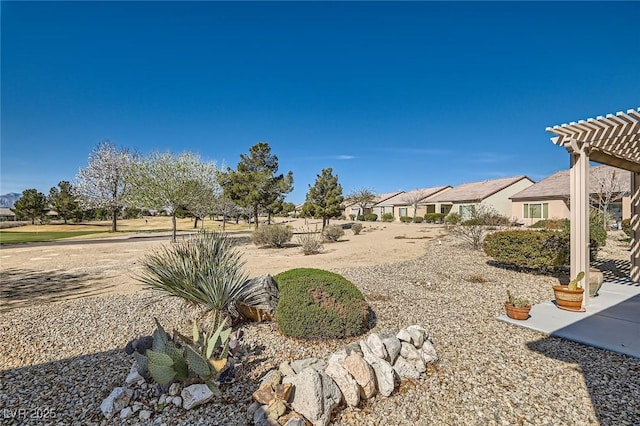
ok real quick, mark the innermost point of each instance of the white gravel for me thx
(62, 359)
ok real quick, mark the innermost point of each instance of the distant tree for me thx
(413, 198)
(324, 198)
(162, 180)
(609, 187)
(104, 182)
(254, 184)
(363, 198)
(32, 205)
(63, 201)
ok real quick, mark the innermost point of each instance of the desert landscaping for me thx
(68, 310)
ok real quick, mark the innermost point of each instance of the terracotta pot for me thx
(596, 278)
(568, 299)
(517, 313)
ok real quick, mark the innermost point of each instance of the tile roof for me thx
(476, 191)
(406, 198)
(558, 184)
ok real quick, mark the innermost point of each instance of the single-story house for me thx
(549, 198)
(493, 193)
(7, 214)
(356, 210)
(411, 203)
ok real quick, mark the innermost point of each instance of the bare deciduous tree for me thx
(609, 186)
(363, 198)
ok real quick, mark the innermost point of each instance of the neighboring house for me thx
(6, 214)
(494, 193)
(549, 198)
(354, 209)
(404, 204)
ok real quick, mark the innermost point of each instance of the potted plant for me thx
(569, 296)
(596, 278)
(517, 307)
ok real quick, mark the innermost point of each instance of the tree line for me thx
(117, 181)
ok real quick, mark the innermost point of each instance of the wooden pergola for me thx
(613, 140)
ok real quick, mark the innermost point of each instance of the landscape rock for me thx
(272, 378)
(338, 356)
(266, 288)
(315, 363)
(276, 409)
(195, 395)
(384, 374)
(418, 335)
(285, 369)
(362, 372)
(174, 389)
(283, 391)
(429, 354)
(134, 376)
(315, 395)
(295, 421)
(418, 364)
(377, 346)
(144, 415)
(116, 401)
(409, 352)
(260, 415)
(353, 347)
(392, 345)
(347, 384)
(253, 407)
(177, 401)
(405, 370)
(126, 412)
(404, 335)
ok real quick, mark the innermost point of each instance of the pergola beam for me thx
(613, 140)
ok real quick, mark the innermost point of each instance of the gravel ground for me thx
(62, 359)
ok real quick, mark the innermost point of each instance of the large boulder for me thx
(315, 395)
(362, 372)
(347, 384)
(265, 294)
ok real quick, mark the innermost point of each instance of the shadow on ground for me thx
(613, 380)
(23, 287)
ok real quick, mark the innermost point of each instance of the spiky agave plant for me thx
(205, 269)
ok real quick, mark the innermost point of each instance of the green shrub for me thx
(205, 269)
(272, 235)
(317, 304)
(452, 218)
(418, 219)
(387, 217)
(333, 233)
(370, 217)
(626, 227)
(352, 217)
(356, 228)
(406, 219)
(360, 217)
(434, 217)
(551, 224)
(528, 249)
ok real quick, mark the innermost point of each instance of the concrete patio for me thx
(611, 320)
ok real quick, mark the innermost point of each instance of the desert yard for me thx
(68, 310)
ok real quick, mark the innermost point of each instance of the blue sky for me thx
(390, 95)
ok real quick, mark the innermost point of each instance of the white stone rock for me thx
(315, 363)
(195, 395)
(418, 335)
(163, 399)
(116, 401)
(404, 335)
(260, 415)
(137, 406)
(285, 369)
(409, 352)
(377, 346)
(429, 354)
(144, 415)
(126, 412)
(347, 384)
(168, 400)
(384, 374)
(337, 356)
(177, 401)
(174, 389)
(405, 370)
(418, 364)
(134, 376)
(353, 347)
(295, 421)
(362, 372)
(315, 395)
(392, 345)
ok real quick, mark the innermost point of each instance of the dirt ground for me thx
(44, 273)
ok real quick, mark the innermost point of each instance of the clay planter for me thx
(595, 281)
(570, 300)
(517, 313)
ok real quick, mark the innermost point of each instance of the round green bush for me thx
(318, 304)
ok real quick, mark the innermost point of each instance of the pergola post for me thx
(579, 178)
(635, 226)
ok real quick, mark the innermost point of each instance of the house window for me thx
(403, 211)
(536, 211)
(466, 211)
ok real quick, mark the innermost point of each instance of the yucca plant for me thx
(205, 269)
